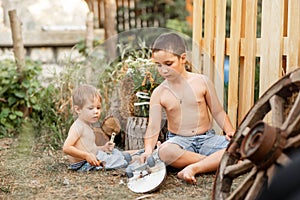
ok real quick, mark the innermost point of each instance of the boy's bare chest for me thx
(177, 100)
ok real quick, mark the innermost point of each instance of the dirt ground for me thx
(38, 173)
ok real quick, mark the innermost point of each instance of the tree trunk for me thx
(135, 131)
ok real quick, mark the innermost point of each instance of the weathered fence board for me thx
(220, 47)
(209, 31)
(247, 71)
(271, 44)
(293, 32)
(277, 49)
(234, 46)
(197, 34)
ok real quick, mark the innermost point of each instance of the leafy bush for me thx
(49, 108)
(19, 94)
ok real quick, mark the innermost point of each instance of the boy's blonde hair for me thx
(84, 93)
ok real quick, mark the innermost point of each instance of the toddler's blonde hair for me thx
(83, 93)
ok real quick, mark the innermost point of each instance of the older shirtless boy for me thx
(189, 99)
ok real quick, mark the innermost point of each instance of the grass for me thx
(31, 171)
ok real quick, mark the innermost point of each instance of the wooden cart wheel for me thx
(267, 137)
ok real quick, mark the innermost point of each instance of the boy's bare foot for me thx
(188, 175)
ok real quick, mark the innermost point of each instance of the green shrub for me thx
(19, 94)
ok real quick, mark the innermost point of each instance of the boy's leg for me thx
(177, 157)
(208, 164)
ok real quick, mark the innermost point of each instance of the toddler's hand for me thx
(92, 159)
(109, 146)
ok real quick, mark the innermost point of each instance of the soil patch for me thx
(43, 174)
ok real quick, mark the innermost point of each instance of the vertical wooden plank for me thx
(293, 35)
(209, 32)
(220, 48)
(197, 35)
(235, 39)
(247, 76)
(242, 54)
(271, 43)
(220, 27)
(189, 7)
(99, 14)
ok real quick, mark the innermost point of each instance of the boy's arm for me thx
(70, 149)
(154, 124)
(217, 110)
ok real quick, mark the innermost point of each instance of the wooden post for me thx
(89, 46)
(109, 25)
(89, 32)
(18, 46)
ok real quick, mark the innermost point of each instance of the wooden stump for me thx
(135, 131)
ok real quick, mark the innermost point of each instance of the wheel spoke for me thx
(246, 131)
(283, 159)
(293, 142)
(241, 191)
(294, 127)
(277, 108)
(270, 173)
(257, 185)
(293, 114)
(238, 169)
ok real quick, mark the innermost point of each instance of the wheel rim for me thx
(275, 117)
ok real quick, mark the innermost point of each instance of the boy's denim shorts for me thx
(204, 144)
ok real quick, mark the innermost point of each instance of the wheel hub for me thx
(262, 145)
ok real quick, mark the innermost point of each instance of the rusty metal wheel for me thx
(264, 141)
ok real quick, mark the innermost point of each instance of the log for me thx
(109, 126)
(100, 137)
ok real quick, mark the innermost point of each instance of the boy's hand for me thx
(109, 146)
(92, 159)
(229, 136)
(144, 157)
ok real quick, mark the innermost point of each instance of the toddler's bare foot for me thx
(188, 175)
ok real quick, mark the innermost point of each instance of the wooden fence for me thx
(275, 49)
(130, 13)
